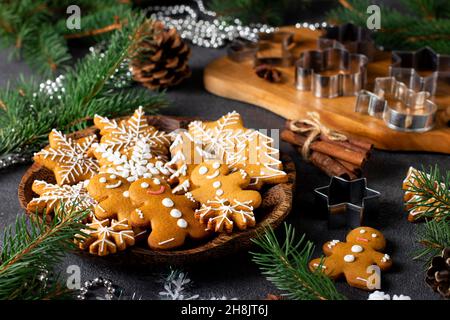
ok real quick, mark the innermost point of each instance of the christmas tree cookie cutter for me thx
(422, 70)
(347, 203)
(411, 112)
(242, 49)
(348, 37)
(331, 73)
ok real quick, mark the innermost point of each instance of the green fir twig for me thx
(432, 192)
(434, 236)
(32, 245)
(286, 266)
(29, 112)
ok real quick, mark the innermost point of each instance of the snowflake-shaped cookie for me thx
(219, 214)
(140, 163)
(240, 148)
(70, 160)
(51, 196)
(122, 136)
(105, 237)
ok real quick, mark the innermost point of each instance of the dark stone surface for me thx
(237, 276)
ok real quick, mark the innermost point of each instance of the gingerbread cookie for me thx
(240, 148)
(224, 202)
(352, 258)
(52, 196)
(69, 160)
(106, 236)
(111, 193)
(122, 136)
(186, 153)
(139, 163)
(171, 217)
(412, 196)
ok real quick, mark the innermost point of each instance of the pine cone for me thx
(161, 59)
(438, 275)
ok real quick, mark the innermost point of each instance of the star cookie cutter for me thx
(347, 203)
(331, 73)
(422, 70)
(241, 49)
(348, 37)
(411, 111)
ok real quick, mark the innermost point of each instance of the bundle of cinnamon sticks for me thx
(343, 158)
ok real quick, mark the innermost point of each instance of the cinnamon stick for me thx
(350, 167)
(330, 149)
(330, 166)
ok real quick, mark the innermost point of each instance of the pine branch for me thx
(432, 192)
(422, 23)
(434, 236)
(32, 245)
(286, 265)
(31, 111)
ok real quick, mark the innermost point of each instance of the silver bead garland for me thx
(90, 285)
(212, 32)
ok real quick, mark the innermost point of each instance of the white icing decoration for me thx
(216, 165)
(140, 213)
(349, 258)
(175, 213)
(183, 187)
(385, 258)
(362, 231)
(166, 241)
(374, 235)
(219, 192)
(217, 184)
(113, 176)
(202, 170)
(182, 223)
(126, 194)
(102, 180)
(144, 185)
(332, 243)
(357, 248)
(156, 181)
(214, 175)
(113, 186)
(167, 202)
(74, 197)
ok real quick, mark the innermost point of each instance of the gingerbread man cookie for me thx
(111, 193)
(171, 217)
(351, 259)
(224, 202)
(69, 160)
(122, 136)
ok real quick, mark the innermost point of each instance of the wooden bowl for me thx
(276, 205)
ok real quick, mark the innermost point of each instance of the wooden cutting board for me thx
(238, 81)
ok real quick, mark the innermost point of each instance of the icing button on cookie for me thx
(175, 213)
(217, 184)
(182, 223)
(144, 185)
(202, 170)
(219, 192)
(349, 258)
(167, 202)
(126, 194)
(356, 248)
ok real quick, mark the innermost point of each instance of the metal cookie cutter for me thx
(331, 73)
(348, 203)
(422, 70)
(241, 49)
(401, 108)
(350, 37)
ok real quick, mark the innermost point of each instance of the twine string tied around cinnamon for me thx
(314, 129)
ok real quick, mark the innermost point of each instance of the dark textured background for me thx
(237, 276)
